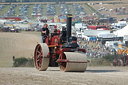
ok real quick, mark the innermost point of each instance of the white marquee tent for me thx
(122, 32)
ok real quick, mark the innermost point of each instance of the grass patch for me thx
(30, 10)
(17, 12)
(88, 11)
(72, 10)
(44, 10)
(109, 57)
(57, 9)
(94, 11)
(105, 61)
(4, 10)
(23, 62)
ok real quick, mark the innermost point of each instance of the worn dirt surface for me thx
(53, 76)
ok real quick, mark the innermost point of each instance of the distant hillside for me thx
(18, 45)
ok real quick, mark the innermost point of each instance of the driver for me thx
(44, 33)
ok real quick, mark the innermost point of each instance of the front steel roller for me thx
(73, 61)
(41, 59)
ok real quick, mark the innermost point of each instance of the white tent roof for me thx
(122, 32)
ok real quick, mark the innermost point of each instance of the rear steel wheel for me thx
(41, 59)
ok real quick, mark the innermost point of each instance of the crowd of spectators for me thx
(94, 49)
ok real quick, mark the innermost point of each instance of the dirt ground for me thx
(53, 76)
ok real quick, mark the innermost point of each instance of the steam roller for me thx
(61, 49)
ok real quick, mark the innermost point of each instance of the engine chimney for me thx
(69, 24)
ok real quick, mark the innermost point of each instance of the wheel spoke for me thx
(39, 60)
(40, 53)
(39, 64)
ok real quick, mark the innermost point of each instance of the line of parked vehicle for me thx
(64, 9)
(50, 11)
(79, 10)
(37, 9)
(11, 11)
(24, 10)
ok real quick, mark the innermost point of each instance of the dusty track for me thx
(93, 76)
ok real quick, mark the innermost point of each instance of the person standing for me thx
(44, 33)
